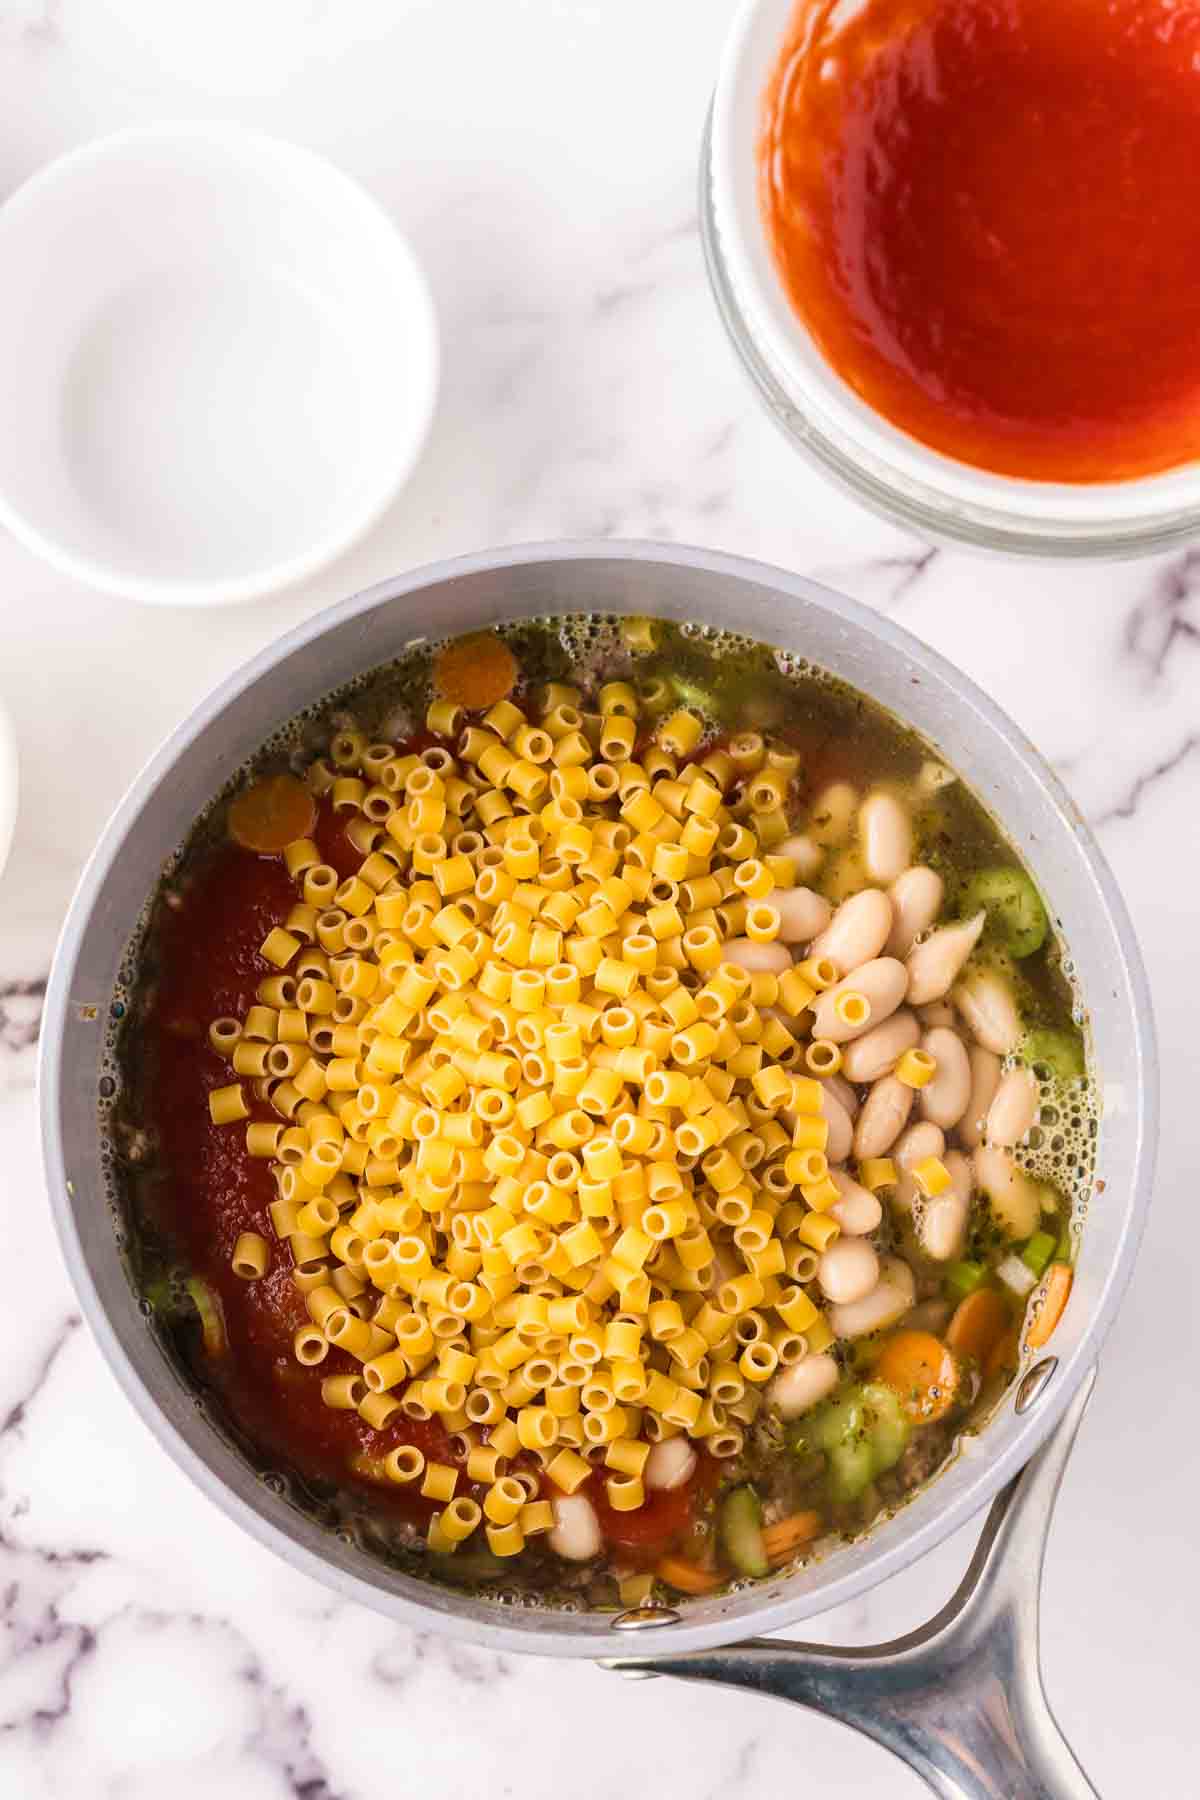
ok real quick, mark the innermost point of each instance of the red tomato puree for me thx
(984, 213)
(211, 1190)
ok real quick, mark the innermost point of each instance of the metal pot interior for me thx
(705, 588)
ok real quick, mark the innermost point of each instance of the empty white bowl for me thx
(218, 363)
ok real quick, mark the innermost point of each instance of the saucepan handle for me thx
(960, 1700)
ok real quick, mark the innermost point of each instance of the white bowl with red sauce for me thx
(828, 411)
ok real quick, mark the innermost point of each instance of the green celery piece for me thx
(691, 694)
(741, 1530)
(1013, 906)
(851, 1468)
(1038, 1253)
(962, 1278)
(890, 1430)
(212, 1318)
(838, 1420)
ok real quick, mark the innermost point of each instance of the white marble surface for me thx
(542, 155)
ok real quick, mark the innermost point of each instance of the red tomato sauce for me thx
(211, 1190)
(983, 212)
(662, 1522)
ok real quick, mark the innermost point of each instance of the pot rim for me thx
(557, 1633)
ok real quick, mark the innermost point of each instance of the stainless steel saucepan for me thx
(961, 1700)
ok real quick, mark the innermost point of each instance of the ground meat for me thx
(925, 1452)
(791, 1484)
(930, 1315)
(929, 1278)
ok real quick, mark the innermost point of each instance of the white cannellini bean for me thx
(961, 1172)
(1015, 1200)
(857, 932)
(878, 1050)
(985, 1079)
(840, 1123)
(938, 1012)
(801, 1385)
(804, 855)
(670, 1463)
(885, 834)
(576, 1533)
(859, 1211)
(885, 1305)
(882, 982)
(848, 1271)
(986, 1003)
(802, 914)
(833, 813)
(1013, 1109)
(773, 959)
(883, 1117)
(943, 1222)
(914, 1146)
(934, 965)
(944, 1097)
(837, 1118)
(841, 1088)
(916, 898)
(919, 1141)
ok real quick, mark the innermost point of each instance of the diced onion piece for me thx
(1016, 1275)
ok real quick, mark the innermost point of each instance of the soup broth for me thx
(601, 1110)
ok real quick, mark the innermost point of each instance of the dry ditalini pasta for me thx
(544, 1115)
(601, 1138)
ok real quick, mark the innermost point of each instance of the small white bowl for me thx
(218, 363)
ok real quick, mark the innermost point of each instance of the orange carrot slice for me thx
(475, 671)
(922, 1371)
(1048, 1304)
(782, 1540)
(979, 1322)
(271, 814)
(687, 1576)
